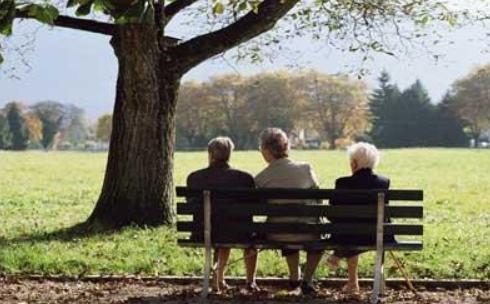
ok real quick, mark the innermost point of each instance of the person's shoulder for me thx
(195, 176)
(241, 174)
(343, 181)
(308, 169)
(382, 180)
(302, 165)
(262, 176)
(199, 172)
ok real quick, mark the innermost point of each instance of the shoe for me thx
(252, 287)
(352, 292)
(308, 289)
(221, 287)
(293, 284)
(224, 286)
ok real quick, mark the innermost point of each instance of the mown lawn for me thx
(43, 193)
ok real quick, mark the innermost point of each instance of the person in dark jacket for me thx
(220, 174)
(363, 159)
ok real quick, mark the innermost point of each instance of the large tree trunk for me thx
(138, 187)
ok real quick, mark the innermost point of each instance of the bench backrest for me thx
(251, 202)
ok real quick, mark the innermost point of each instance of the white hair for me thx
(220, 148)
(365, 155)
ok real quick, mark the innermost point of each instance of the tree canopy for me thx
(471, 101)
(355, 25)
(408, 118)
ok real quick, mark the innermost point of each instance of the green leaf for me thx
(242, 6)
(7, 15)
(103, 6)
(138, 11)
(424, 20)
(218, 8)
(1, 59)
(43, 13)
(5, 7)
(452, 20)
(71, 3)
(84, 9)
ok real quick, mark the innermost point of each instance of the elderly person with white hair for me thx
(220, 174)
(282, 172)
(363, 159)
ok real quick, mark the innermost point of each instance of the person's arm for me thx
(313, 177)
(387, 219)
(338, 185)
(190, 183)
(333, 201)
(314, 182)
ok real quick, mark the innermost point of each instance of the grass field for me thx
(42, 193)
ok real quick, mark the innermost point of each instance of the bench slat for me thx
(337, 228)
(279, 193)
(401, 245)
(301, 210)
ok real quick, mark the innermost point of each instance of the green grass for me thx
(41, 193)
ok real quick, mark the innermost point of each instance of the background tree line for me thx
(48, 125)
(333, 109)
(329, 110)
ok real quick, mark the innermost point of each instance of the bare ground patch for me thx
(133, 291)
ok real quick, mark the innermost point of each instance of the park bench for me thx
(405, 212)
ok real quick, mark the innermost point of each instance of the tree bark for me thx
(332, 145)
(138, 186)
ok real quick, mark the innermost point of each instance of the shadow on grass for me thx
(75, 232)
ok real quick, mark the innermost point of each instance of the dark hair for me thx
(276, 141)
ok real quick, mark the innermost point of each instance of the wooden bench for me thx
(251, 202)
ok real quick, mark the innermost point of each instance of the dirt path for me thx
(148, 292)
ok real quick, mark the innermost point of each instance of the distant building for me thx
(93, 146)
(486, 135)
(305, 139)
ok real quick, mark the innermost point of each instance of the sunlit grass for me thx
(43, 192)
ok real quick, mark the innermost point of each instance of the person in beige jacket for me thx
(282, 172)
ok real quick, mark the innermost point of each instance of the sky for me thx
(80, 68)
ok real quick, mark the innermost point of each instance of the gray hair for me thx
(364, 154)
(220, 148)
(276, 141)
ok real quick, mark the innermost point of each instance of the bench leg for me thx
(378, 288)
(383, 283)
(207, 243)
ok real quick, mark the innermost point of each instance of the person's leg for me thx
(313, 258)
(292, 259)
(219, 278)
(353, 282)
(250, 257)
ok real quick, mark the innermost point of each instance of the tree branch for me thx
(75, 23)
(198, 49)
(175, 7)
